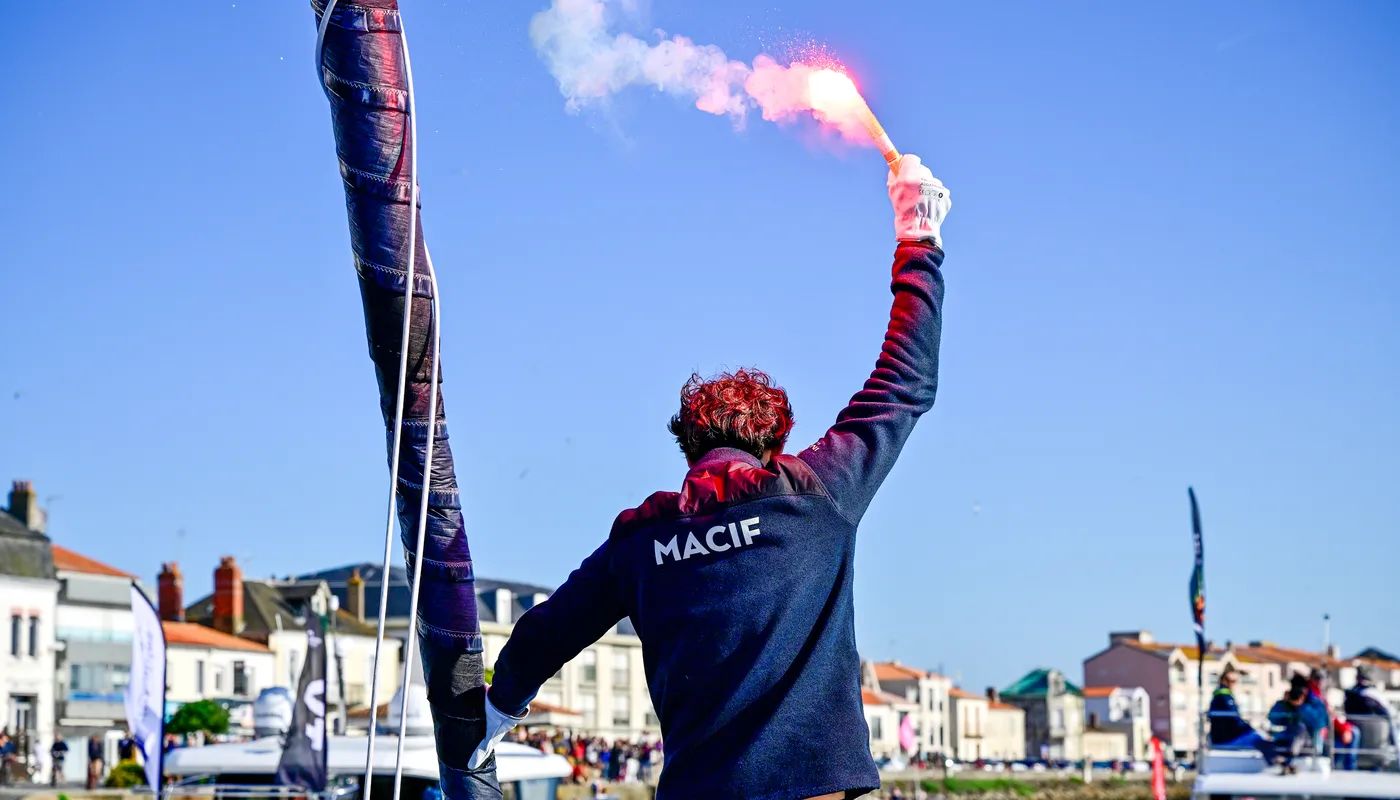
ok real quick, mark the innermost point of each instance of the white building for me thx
(970, 722)
(884, 714)
(205, 664)
(271, 614)
(30, 596)
(604, 687)
(1126, 709)
(927, 692)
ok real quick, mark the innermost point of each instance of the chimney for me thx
(228, 597)
(501, 605)
(24, 506)
(1141, 637)
(993, 695)
(1334, 652)
(170, 593)
(355, 595)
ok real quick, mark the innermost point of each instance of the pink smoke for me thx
(592, 63)
(788, 93)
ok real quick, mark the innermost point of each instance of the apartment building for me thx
(29, 587)
(1123, 709)
(1054, 714)
(928, 692)
(885, 714)
(602, 692)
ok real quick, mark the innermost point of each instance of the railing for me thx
(1382, 756)
(192, 787)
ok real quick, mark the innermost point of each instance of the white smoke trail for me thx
(592, 63)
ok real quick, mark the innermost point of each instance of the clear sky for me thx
(1171, 261)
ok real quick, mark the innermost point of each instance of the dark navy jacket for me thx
(1226, 724)
(740, 587)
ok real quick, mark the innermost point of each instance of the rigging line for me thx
(384, 576)
(436, 321)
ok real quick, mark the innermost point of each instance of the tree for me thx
(201, 715)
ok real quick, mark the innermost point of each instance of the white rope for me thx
(398, 434)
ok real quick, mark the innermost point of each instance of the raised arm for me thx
(362, 67)
(856, 454)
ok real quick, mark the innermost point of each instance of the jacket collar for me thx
(723, 455)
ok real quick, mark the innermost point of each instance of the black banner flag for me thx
(304, 753)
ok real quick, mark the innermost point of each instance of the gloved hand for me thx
(498, 724)
(920, 201)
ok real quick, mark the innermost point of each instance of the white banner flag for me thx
(145, 695)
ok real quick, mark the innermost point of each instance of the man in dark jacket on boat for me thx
(740, 585)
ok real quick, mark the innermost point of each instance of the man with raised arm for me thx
(740, 584)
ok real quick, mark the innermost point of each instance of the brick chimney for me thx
(228, 597)
(24, 506)
(355, 595)
(170, 592)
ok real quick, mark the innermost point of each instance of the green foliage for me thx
(201, 715)
(1003, 786)
(490, 676)
(62, 796)
(126, 774)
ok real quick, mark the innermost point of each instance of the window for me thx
(1271, 680)
(876, 729)
(33, 637)
(590, 710)
(240, 679)
(218, 680)
(622, 668)
(1058, 720)
(1178, 673)
(15, 629)
(590, 666)
(622, 710)
(1178, 701)
(652, 721)
(199, 676)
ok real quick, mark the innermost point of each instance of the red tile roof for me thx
(189, 634)
(1272, 653)
(1002, 707)
(895, 671)
(1099, 691)
(965, 695)
(65, 559)
(872, 697)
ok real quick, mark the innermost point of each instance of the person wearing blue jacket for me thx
(1297, 721)
(1228, 727)
(740, 584)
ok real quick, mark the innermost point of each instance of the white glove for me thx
(498, 724)
(920, 201)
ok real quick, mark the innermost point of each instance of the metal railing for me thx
(1382, 756)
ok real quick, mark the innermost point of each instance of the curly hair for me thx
(740, 409)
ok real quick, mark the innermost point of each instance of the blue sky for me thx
(1171, 261)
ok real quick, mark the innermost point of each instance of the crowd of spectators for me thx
(595, 759)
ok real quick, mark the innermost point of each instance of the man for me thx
(7, 754)
(1371, 719)
(740, 585)
(95, 759)
(1227, 727)
(126, 748)
(1296, 724)
(58, 753)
